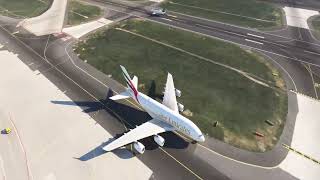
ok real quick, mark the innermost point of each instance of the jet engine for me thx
(178, 93)
(180, 107)
(159, 140)
(139, 147)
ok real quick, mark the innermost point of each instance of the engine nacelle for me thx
(180, 107)
(159, 140)
(178, 92)
(139, 147)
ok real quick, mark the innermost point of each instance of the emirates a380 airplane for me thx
(165, 116)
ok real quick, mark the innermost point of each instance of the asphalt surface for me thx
(82, 84)
(292, 44)
(116, 118)
(86, 86)
(287, 52)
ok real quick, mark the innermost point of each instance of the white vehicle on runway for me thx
(165, 116)
(158, 12)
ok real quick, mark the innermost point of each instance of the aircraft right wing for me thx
(169, 98)
(152, 127)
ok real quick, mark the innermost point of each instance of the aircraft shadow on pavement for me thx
(98, 151)
(128, 116)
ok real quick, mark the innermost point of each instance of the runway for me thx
(292, 44)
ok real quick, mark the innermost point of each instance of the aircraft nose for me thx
(201, 138)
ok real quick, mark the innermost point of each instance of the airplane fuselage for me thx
(162, 112)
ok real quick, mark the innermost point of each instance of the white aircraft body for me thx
(165, 116)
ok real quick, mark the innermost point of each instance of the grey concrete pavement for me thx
(50, 141)
(49, 22)
(12, 158)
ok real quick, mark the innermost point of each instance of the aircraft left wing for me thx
(152, 127)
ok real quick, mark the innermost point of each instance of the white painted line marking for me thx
(42, 1)
(240, 162)
(65, 39)
(312, 52)
(166, 19)
(221, 12)
(2, 169)
(70, 58)
(215, 37)
(311, 74)
(22, 146)
(80, 14)
(249, 34)
(294, 84)
(179, 20)
(249, 40)
(172, 16)
(229, 32)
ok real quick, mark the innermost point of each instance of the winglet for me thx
(123, 95)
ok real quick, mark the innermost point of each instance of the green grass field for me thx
(316, 23)
(23, 8)
(316, 26)
(77, 13)
(80, 13)
(210, 92)
(212, 9)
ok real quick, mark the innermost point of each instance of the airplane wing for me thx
(147, 129)
(169, 98)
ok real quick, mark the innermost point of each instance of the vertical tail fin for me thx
(132, 84)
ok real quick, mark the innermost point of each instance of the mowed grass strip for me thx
(210, 92)
(239, 12)
(315, 22)
(80, 13)
(23, 8)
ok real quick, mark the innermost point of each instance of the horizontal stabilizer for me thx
(123, 95)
